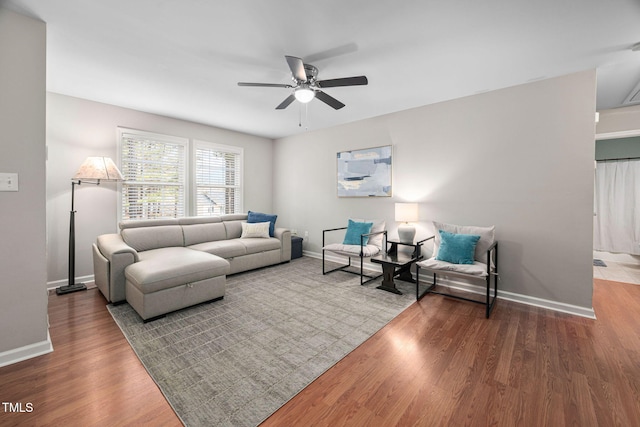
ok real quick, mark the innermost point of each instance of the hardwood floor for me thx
(92, 378)
(438, 363)
(441, 363)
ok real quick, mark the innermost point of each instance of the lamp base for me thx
(406, 233)
(71, 288)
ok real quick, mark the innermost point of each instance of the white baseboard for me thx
(27, 352)
(505, 295)
(65, 282)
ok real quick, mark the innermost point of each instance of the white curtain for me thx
(617, 207)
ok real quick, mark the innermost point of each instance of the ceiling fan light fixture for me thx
(304, 94)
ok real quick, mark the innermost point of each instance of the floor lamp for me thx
(92, 171)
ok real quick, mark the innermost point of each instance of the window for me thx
(218, 172)
(154, 167)
(157, 171)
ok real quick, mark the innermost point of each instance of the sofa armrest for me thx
(284, 235)
(112, 255)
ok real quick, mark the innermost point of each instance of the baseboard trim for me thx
(504, 295)
(65, 282)
(27, 352)
(519, 298)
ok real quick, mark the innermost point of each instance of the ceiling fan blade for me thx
(346, 81)
(297, 68)
(264, 85)
(284, 104)
(329, 100)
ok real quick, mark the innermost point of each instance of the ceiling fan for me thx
(306, 86)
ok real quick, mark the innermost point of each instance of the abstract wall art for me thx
(365, 172)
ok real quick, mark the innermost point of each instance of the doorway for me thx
(616, 216)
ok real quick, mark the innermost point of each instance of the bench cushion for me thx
(168, 267)
(352, 250)
(476, 269)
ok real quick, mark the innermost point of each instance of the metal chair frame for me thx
(492, 254)
(361, 256)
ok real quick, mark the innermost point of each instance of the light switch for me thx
(8, 182)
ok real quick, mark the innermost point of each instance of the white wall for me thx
(626, 119)
(23, 300)
(520, 158)
(78, 128)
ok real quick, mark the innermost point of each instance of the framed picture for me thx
(365, 172)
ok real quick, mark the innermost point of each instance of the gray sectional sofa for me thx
(159, 266)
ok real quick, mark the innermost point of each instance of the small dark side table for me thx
(397, 264)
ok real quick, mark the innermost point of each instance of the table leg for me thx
(388, 271)
(405, 274)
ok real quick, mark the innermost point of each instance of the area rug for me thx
(235, 361)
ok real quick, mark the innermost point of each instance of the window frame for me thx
(198, 143)
(190, 164)
(121, 132)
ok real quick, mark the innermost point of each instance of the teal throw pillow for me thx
(354, 230)
(255, 217)
(457, 248)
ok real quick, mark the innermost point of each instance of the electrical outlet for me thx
(306, 234)
(8, 182)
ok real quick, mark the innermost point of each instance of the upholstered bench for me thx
(169, 279)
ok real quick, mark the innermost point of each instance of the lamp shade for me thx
(406, 212)
(304, 94)
(100, 169)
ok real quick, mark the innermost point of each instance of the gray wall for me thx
(618, 148)
(78, 128)
(23, 300)
(520, 158)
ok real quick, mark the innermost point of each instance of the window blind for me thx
(155, 176)
(218, 172)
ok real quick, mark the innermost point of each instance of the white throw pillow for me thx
(255, 230)
(487, 237)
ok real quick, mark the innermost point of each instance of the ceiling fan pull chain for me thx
(300, 116)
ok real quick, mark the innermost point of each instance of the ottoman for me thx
(169, 279)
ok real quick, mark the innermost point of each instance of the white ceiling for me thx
(184, 58)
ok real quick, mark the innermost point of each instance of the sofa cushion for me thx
(234, 229)
(168, 267)
(234, 217)
(137, 223)
(200, 233)
(147, 238)
(189, 220)
(222, 248)
(257, 245)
